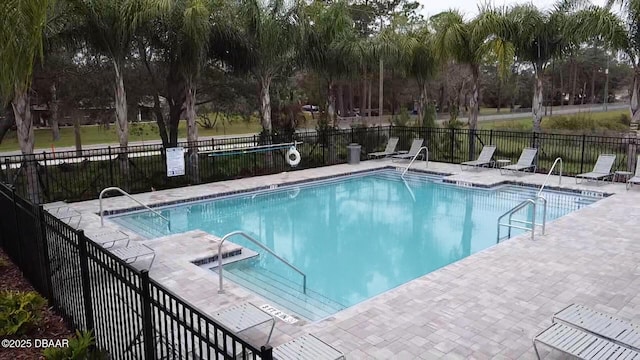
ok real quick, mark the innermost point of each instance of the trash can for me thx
(353, 154)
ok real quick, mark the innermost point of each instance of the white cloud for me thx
(470, 7)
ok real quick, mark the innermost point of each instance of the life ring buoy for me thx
(296, 156)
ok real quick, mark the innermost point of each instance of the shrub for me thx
(20, 311)
(402, 119)
(81, 347)
(429, 116)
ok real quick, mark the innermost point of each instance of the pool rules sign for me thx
(175, 161)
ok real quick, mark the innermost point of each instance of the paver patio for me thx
(488, 305)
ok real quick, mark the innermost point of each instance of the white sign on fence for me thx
(175, 161)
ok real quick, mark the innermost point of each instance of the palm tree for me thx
(180, 35)
(469, 42)
(108, 26)
(21, 41)
(627, 40)
(325, 29)
(540, 36)
(422, 65)
(271, 32)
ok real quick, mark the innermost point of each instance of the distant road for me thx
(492, 117)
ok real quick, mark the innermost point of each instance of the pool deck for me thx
(488, 305)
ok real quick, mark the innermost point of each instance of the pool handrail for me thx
(558, 159)
(414, 159)
(114, 188)
(246, 236)
(515, 209)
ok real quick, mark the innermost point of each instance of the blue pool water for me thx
(354, 237)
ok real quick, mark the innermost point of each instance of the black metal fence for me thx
(131, 315)
(74, 176)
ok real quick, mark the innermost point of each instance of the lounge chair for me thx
(601, 170)
(416, 145)
(600, 324)
(636, 177)
(388, 151)
(306, 347)
(581, 344)
(525, 162)
(484, 159)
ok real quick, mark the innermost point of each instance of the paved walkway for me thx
(488, 305)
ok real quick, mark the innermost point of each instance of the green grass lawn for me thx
(93, 134)
(551, 122)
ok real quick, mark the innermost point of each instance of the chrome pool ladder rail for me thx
(510, 213)
(532, 223)
(262, 246)
(414, 159)
(114, 188)
(555, 162)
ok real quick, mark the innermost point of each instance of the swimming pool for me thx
(355, 236)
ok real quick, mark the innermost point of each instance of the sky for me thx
(470, 7)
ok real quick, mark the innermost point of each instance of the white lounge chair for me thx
(636, 177)
(602, 169)
(485, 158)
(600, 324)
(416, 145)
(131, 254)
(581, 344)
(388, 151)
(525, 162)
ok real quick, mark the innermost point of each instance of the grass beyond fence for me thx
(72, 177)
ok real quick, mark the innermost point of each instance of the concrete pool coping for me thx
(489, 304)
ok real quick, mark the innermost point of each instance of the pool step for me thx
(144, 226)
(311, 306)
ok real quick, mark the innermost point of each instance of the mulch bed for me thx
(52, 326)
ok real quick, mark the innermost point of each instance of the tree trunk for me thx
(192, 134)
(381, 93)
(584, 93)
(369, 95)
(350, 98)
(363, 97)
(8, 121)
(122, 125)
(536, 104)
(635, 101)
(499, 95)
(162, 126)
(77, 134)
(593, 87)
(341, 100)
(53, 109)
(572, 95)
(422, 102)
(561, 89)
(265, 104)
(474, 110)
(26, 138)
(331, 103)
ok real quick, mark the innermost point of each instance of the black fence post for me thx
(266, 352)
(147, 320)
(352, 136)
(491, 137)
(86, 281)
(46, 177)
(452, 138)
(110, 167)
(584, 137)
(18, 239)
(44, 251)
